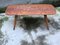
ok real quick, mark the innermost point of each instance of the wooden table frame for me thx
(30, 9)
(45, 19)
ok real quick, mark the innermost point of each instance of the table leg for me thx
(46, 21)
(15, 18)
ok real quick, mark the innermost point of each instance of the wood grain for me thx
(30, 9)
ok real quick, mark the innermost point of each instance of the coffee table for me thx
(31, 9)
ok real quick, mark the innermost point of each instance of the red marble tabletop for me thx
(30, 9)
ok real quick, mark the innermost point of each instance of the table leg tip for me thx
(47, 28)
(13, 28)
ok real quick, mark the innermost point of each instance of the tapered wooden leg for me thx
(46, 21)
(15, 18)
